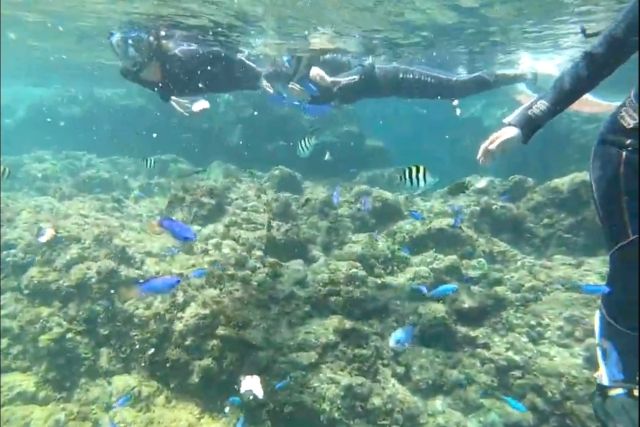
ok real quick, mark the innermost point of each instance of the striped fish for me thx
(416, 176)
(149, 162)
(306, 145)
(6, 172)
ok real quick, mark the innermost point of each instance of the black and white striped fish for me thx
(149, 162)
(306, 146)
(416, 176)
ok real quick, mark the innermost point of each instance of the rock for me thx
(286, 246)
(475, 307)
(283, 180)
(201, 205)
(440, 236)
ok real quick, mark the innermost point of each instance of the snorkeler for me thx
(177, 64)
(614, 180)
(353, 82)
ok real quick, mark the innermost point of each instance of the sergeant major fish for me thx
(416, 176)
(306, 146)
(149, 162)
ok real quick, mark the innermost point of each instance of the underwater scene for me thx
(274, 213)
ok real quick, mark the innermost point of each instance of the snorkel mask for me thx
(133, 48)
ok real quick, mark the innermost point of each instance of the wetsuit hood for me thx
(134, 48)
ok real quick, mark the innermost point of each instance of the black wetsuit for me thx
(380, 81)
(189, 67)
(614, 177)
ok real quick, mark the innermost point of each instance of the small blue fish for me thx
(158, 285)
(401, 338)
(458, 216)
(416, 215)
(504, 197)
(282, 384)
(124, 400)
(178, 230)
(234, 401)
(443, 291)
(366, 203)
(594, 289)
(138, 195)
(420, 289)
(198, 273)
(335, 196)
(405, 250)
(241, 422)
(514, 404)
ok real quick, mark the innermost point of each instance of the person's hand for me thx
(266, 86)
(317, 75)
(186, 106)
(498, 141)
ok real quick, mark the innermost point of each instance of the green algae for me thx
(313, 295)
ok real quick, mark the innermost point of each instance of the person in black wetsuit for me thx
(614, 178)
(178, 64)
(354, 81)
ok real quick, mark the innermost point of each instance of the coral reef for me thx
(296, 286)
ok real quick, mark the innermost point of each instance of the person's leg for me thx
(472, 84)
(371, 81)
(614, 177)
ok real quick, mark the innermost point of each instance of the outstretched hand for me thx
(187, 106)
(498, 141)
(319, 76)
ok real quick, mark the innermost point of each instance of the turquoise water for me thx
(297, 286)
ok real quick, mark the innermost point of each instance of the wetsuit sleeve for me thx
(612, 49)
(135, 78)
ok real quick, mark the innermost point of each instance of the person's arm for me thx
(618, 42)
